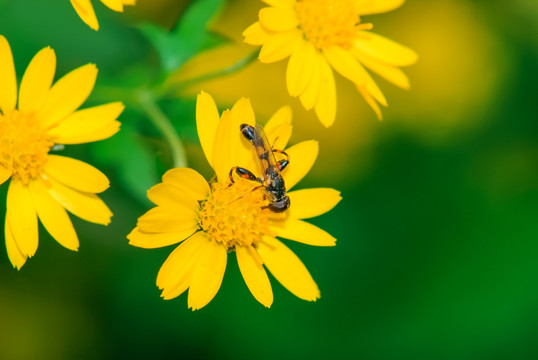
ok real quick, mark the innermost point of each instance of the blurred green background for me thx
(437, 253)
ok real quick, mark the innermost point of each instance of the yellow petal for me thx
(84, 205)
(368, 7)
(15, 255)
(76, 174)
(37, 79)
(279, 46)
(222, 161)
(374, 90)
(288, 269)
(153, 240)
(302, 157)
(53, 216)
(308, 203)
(301, 67)
(22, 218)
(207, 121)
(326, 103)
(188, 182)
(116, 5)
(67, 94)
(8, 79)
(281, 3)
(278, 128)
(310, 95)
(4, 174)
(207, 276)
(255, 34)
(303, 232)
(162, 219)
(345, 64)
(84, 9)
(242, 113)
(370, 101)
(278, 18)
(102, 133)
(384, 50)
(254, 275)
(83, 122)
(389, 73)
(176, 273)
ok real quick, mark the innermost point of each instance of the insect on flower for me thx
(271, 179)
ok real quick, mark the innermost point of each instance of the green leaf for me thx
(134, 162)
(189, 37)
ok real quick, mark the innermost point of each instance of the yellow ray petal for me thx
(241, 151)
(169, 196)
(85, 10)
(153, 240)
(188, 182)
(370, 101)
(302, 157)
(116, 5)
(8, 79)
(310, 95)
(67, 94)
(278, 128)
(84, 205)
(279, 46)
(288, 269)
(278, 18)
(162, 219)
(301, 67)
(83, 122)
(368, 7)
(308, 203)
(255, 34)
(76, 174)
(281, 3)
(14, 254)
(102, 133)
(326, 103)
(384, 50)
(207, 276)
(53, 216)
(37, 79)
(374, 90)
(242, 112)
(389, 73)
(22, 218)
(176, 273)
(254, 275)
(4, 174)
(345, 64)
(303, 232)
(207, 121)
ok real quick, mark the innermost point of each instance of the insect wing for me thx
(267, 151)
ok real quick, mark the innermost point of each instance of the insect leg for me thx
(242, 172)
(284, 162)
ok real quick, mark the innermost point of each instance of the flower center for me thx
(328, 22)
(23, 145)
(234, 215)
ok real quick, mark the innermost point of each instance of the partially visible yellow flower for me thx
(84, 9)
(44, 185)
(321, 35)
(213, 219)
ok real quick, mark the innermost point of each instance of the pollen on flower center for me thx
(23, 145)
(234, 215)
(328, 22)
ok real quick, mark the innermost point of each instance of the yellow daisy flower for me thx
(213, 219)
(321, 35)
(44, 185)
(84, 9)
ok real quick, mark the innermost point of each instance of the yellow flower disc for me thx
(23, 145)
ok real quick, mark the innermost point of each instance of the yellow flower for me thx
(321, 35)
(84, 9)
(213, 219)
(44, 185)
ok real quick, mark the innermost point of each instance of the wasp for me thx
(271, 179)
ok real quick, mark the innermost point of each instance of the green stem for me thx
(163, 124)
(172, 89)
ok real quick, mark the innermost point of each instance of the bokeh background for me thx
(437, 253)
